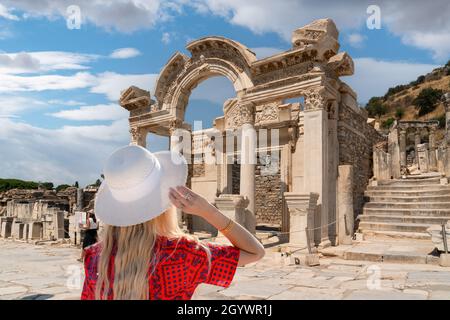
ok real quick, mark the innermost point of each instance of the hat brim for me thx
(111, 211)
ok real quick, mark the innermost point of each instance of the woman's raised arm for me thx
(190, 202)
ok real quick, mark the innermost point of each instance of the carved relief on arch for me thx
(169, 74)
(224, 49)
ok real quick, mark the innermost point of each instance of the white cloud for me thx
(12, 105)
(63, 155)
(439, 42)
(4, 13)
(166, 38)
(66, 103)
(111, 84)
(415, 21)
(124, 15)
(11, 83)
(424, 24)
(125, 53)
(44, 61)
(373, 77)
(356, 40)
(90, 113)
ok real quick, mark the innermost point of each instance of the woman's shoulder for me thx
(183, 242)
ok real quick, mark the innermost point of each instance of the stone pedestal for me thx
(423, 158)
(35, 231)
(302, 210)
(234, 206)
(382, 165)
(345, 204)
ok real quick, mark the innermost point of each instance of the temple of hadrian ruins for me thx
(311, 181)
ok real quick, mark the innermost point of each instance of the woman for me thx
(90, 234)
(143, 253)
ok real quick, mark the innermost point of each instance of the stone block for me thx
(309, 260)
(17, 230)
(35, 231)
(444, 260)
(6, 229)
(58, 224)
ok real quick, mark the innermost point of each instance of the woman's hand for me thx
(189, 201)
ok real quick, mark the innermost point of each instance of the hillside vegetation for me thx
(418, 100)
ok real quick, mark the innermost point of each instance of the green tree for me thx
(399, 113)
(427, 100)
(388, 123)
(76, 184)
(375, 107)
(62, 187)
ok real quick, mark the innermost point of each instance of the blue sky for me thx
(59, 117)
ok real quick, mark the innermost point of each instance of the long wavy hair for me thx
(134, 256)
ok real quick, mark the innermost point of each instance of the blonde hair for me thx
(135, 252)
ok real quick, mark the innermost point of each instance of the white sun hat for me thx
(136, 185)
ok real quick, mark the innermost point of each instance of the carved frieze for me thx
(267, 113)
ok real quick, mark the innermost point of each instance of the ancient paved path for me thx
(52, 272)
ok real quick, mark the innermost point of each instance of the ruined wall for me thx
(268, 186)
(356, 139)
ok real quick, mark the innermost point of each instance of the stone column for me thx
(394, 151)
(138, 136)
(80, 196)
(58, 224)
(248, 161)
(284, 168)
(345, 204)
(402, 142)
(422, 156)
(316, 173)
(432, 150)
(416, 143)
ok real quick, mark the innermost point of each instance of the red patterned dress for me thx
(183, 266)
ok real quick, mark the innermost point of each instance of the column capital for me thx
(138, 136)
(315, 98)
(247, 113)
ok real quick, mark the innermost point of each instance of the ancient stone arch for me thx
(315, 136)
